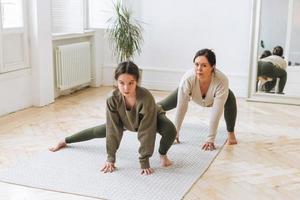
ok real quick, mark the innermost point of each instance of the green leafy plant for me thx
(125, 33)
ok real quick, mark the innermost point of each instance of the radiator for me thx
(73, 65)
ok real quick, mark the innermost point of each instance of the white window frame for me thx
(73, 26)
(8, 67)
(86, 19)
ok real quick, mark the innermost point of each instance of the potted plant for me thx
(125, 33)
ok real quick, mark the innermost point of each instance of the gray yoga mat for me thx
(76, 169)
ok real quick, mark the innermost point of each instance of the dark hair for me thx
(209, 54)
(127, 67)
(265, 53)
(278, 51)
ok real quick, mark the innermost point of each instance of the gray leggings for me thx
(165, 128)
(230, 109)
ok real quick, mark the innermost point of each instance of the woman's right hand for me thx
(177, 138)
(147, 171)
(208, 146)
(108, 167)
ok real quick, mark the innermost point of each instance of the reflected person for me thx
(273, 67)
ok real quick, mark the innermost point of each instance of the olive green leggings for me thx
(165, 128)
(270, 70)
(230, 109)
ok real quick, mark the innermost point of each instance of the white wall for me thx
(176, 29)
(41, 52)
(15, 90)
(35, 86)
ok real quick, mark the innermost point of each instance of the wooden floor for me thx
(264, 165)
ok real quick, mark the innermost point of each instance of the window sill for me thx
(62, 36)
(8, 75)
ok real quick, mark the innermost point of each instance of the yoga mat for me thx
(76, 169)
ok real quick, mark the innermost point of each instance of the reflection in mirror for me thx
(278, 50)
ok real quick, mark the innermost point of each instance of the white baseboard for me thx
(168, 79)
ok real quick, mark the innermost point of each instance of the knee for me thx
(172, 131)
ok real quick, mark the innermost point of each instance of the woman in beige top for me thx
(208, 87)
(133, 108)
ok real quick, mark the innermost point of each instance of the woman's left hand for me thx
(208, 146)
(108, 167)
(147, 171)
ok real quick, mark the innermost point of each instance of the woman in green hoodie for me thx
(130, 107)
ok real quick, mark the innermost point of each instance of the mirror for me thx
(275, 77)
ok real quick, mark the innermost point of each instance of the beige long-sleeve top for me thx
(276, 60)
(142, 118)
(216, 96)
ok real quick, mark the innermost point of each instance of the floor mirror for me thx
(275, 52)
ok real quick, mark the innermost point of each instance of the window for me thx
(12, 13)
(100, 11)
(68, 16)
(74, 16)
(13, 36)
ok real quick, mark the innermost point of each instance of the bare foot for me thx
(165, 162)
(60, 145)
(231, 139)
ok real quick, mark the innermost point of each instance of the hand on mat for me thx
(60, 145)
(208, 146)
(108, 167)
(147, 171)
(177, 139)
